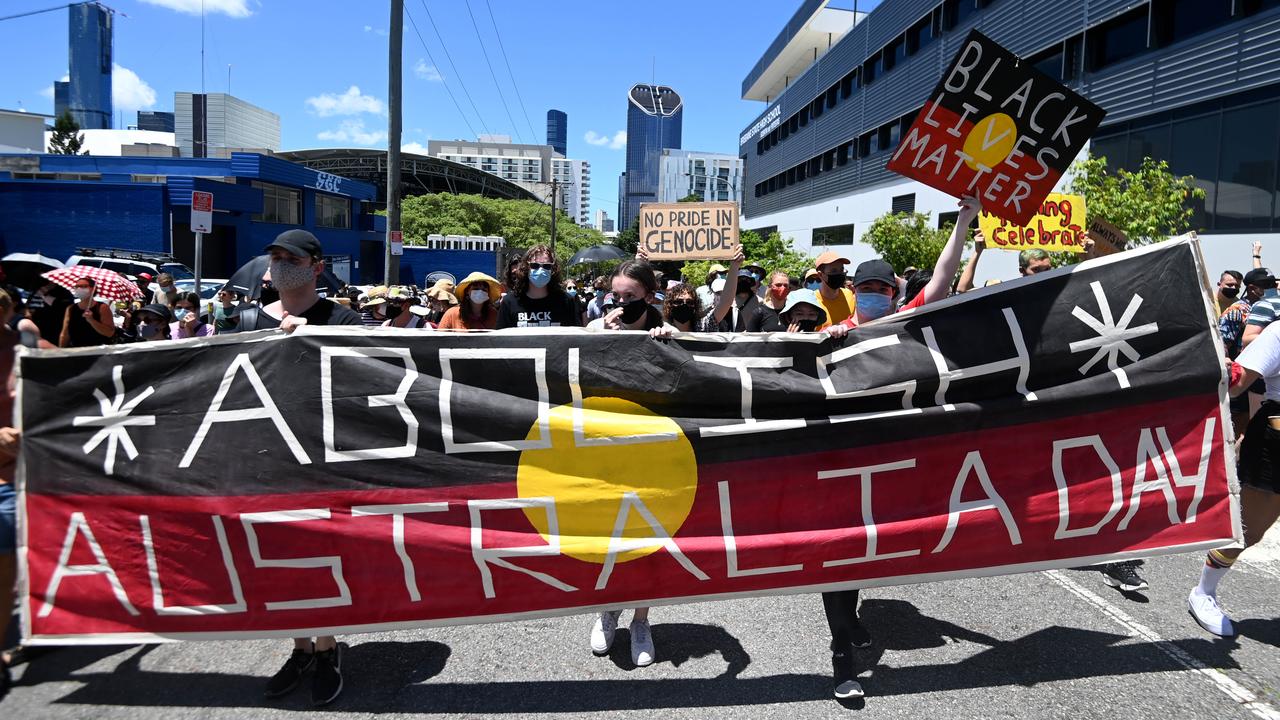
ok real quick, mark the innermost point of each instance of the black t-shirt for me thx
(323, 312)
(552, 310)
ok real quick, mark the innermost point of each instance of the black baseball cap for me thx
(298, 242)
(158, 310)
(875, 270)
(1260, 277)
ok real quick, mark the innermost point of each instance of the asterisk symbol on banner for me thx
(114, 421)
(1113, 337)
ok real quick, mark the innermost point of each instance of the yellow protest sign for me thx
(1057, 226)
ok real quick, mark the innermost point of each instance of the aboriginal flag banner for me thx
(998, 129)
(343, 480)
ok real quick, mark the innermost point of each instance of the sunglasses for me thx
(541, 266)
(680, 303)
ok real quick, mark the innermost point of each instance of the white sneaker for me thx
(1205, 610)
(603, 630)
(849, 689)
(641, 643)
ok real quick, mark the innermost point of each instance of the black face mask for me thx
(393, 311)
(807, 325)
(268, 295)
(682, 313)
(634, 310)
(434, 316)
(745, 286)
(1230, 292)
(836, 280)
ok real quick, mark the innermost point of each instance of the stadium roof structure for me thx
(420, 174)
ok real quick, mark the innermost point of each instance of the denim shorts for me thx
(8, 519)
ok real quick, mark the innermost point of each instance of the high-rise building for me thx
(215, 124)
(604, 223)
(654, 117)
(713, 177)
(157, 121)
(86, 93)
(558, 131)
(530, 166)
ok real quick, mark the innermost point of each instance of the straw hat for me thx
(495, 291)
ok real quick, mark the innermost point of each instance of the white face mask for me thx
(81, 293)
(479, 296)
(287, 276)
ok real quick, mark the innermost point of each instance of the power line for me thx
(509, 73)
(494, 75)
(433, 64)
(456, 74)
(37, 12)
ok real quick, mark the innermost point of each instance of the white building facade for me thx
(216, 124)
(714, 177)
(530, 166)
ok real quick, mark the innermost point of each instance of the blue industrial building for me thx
(558, 131)
(655, 115)
(86, 94)
(57, 204)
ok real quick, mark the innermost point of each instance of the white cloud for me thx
(376, 31)
(47, 91)
(351, 102)
(416, 148)
(617, 142)
(130, 92)
(426, 72)
(230, 8)
(354, 132)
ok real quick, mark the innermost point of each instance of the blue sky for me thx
(321, 65)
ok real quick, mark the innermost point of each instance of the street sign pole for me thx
(201, 223)
(391, 264)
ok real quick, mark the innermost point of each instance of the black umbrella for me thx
(248, 279)
(25, 270)
(598, 253)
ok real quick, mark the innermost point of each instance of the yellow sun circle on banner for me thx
(990, 141)
(624, 447)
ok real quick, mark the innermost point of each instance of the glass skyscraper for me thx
(87, 91)
(558, 131)
(654, 116)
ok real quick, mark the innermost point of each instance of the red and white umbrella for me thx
(110, 285)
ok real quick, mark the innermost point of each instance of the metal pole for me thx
(555, 194)
(199, 259)
(391, 264)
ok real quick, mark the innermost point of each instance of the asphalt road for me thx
(1045, 645)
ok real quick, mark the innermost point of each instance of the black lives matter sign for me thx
(998, 129)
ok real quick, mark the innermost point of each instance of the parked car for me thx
(209, 287)
(133, 264)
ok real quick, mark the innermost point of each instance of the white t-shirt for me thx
(1263, 357)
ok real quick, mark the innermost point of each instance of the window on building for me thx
(1118, 39)
(1114, 148)
(833, 94)
(793, 123)
(844, 154)
(279, 204)
(871, 69)
(895, 52)
(1049, 61)
(920, 34)
(955, 12)
(903, 203)
(833, 235)
(1251, 7)
(816, 107)
(864, 145)
(1195, 152)
(1176, 20)
(1148, 141)
(804, 116)
(848, 84)
(948, 219)
(1247, 170)
(829, 160)
(333, 211)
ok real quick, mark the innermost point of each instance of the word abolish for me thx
(689, 231)
(996, 128)
(1058, 226)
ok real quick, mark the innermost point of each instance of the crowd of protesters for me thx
(534, 292)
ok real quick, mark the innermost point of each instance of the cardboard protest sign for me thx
(689, 231)
(1107, 238)
(998, 129)
(1057, 226)
(343, 480)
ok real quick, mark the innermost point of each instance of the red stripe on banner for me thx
(1119, 483)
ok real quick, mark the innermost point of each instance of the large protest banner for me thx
(340, 480)
(996, 128)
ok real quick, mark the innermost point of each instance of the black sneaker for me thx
(842, 675)
(858, 635)
(326, 684)
(288, 677)
(1124, 576)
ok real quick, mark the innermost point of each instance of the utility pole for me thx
(555, 194)
(391, 263)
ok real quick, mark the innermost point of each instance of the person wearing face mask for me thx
(537, 298)
(153, 322)
(683, 312)
(1229, 285)
(812, 280)
(707, 291)
(400, 311)
(475, 310)
(802, 313)
(595, 308)
(746, 314)
(836, 300)
(775, 299)
(439, 299)
(86, 322)
(296, 262)
(187, 321)
(165, 292)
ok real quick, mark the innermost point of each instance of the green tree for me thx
(907, 240)
(66, 138)
(629, 239)
(523, 223)
(691, 197)
(1149, 204)
(772, 252)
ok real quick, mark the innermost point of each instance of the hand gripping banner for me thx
(341, 480)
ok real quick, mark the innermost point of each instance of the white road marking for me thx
(1232, 689)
